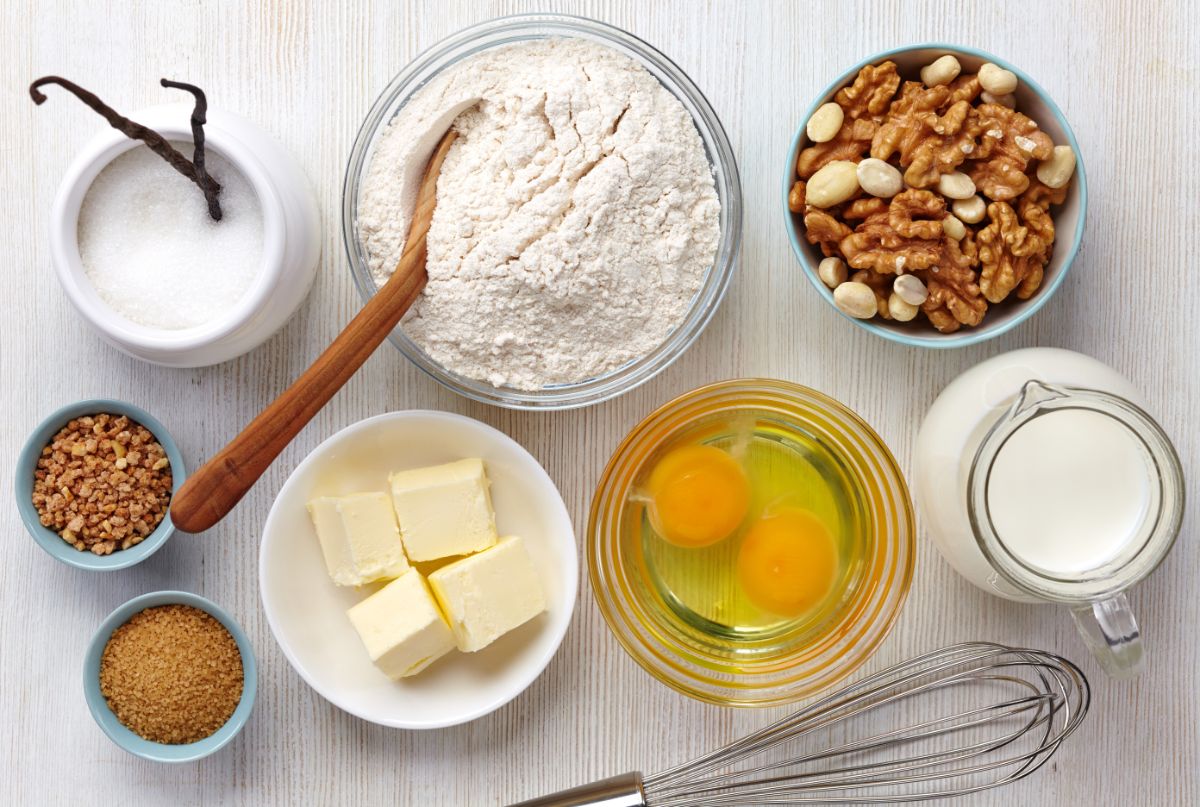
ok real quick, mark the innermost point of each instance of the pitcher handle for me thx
(1111, 632)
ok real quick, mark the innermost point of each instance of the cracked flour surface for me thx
(576, 213)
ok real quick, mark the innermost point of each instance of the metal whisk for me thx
(954, 721)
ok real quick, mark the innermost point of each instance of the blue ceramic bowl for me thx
(51, 541)
(126, 739)
(1069, 217)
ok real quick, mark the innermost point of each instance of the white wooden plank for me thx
(1127, 76)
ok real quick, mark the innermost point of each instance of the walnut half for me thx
(1014, 249)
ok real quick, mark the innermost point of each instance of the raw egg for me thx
(787, 562)
(699, 494)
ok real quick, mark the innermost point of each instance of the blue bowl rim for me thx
(965, 337)
(52, 542)
(139, 746)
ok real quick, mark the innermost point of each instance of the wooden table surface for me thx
(1126, 75)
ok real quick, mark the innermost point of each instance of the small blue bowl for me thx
(1069, 217)
(51, 541)
(126, 739)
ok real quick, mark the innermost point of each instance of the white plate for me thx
(307, 612)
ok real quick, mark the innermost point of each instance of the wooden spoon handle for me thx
(209, 494)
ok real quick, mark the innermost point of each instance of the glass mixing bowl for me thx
(725, 666)
(507, 30)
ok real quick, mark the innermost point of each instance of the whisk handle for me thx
(619, 791)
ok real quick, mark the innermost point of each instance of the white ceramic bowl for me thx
(291, 241)
(307, 612)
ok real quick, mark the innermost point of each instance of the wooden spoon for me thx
(208, 495)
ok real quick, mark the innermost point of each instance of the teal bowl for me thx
(126, 739)
(48, 539)
(1069, 217)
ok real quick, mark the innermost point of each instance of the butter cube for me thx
(444, 510)
(358, 537)
(401, 626)
(488, 594)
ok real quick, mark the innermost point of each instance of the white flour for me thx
(576, 213)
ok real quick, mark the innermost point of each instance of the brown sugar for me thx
(172, 674)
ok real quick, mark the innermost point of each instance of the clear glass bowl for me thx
(506, 30)
(729, 670)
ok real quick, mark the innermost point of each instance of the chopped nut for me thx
(82, 491)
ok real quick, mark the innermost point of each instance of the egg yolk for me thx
(699, 495)
(787, 562)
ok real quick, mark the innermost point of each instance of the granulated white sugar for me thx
(576, 217)
(151, 250)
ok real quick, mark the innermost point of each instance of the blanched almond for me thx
(833, 184)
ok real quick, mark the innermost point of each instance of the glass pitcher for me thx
(966, 435)
(1096, 596)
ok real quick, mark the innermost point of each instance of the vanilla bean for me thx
(211, 188)
(131, 129)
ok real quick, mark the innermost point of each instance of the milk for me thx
(953, 430)
(1069, 490)
(1040, 477)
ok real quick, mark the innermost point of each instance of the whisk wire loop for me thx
(992, 740)
(954, 721)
